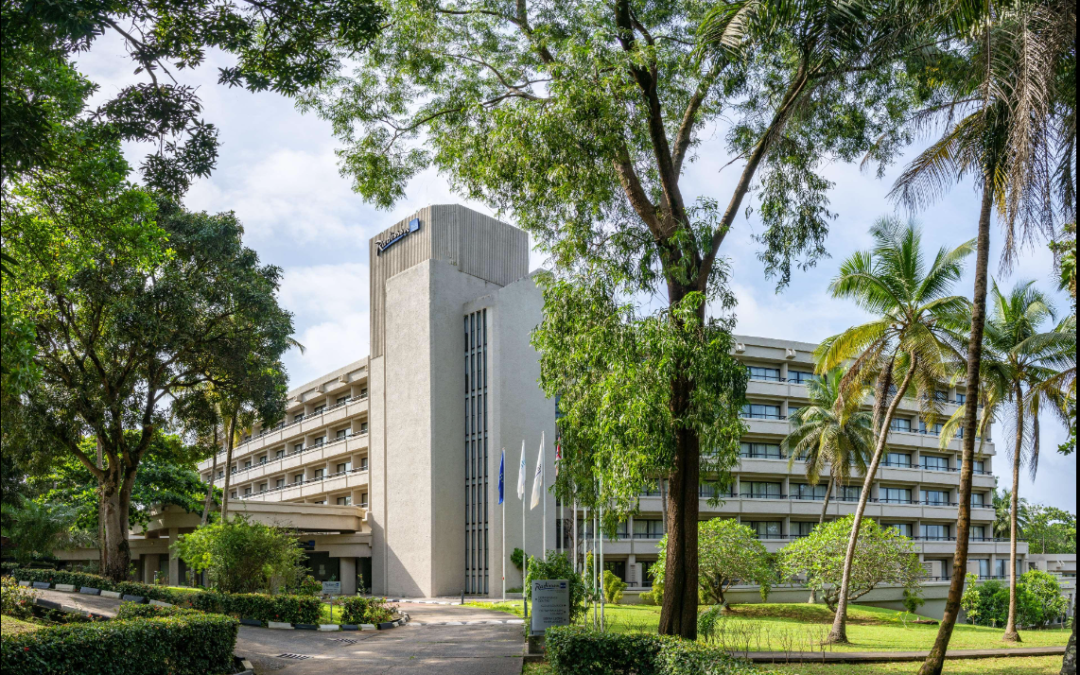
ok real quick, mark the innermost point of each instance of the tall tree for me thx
(833, 431)
(579, 119)
(1009, 124)
(117, 340)
(912, 341)
(1030, 369)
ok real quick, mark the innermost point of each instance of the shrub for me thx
(707, 620)
(558, 566)
(177, 645)
(306, 586)
(1045, 601)
(241, 556)
(15, 601)
(577, 651)
(653, 597)
(130, 610)
(357, 610)
(681, 657)
(613, 587)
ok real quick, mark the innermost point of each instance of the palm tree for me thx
(912, 339)
(1002, 503)
(833, 431)
(1026, 368)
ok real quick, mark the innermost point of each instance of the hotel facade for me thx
(389, 465)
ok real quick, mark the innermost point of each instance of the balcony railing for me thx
(293, 453)
(306, 481)
(761, 416)
(283, 425)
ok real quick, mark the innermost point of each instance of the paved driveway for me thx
(481, 645)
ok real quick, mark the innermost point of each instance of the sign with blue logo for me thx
(395, 235)
(550, 604)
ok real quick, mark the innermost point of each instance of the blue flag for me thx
(502, 473)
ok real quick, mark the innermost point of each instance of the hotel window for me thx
(220, 473)
(622, 531)
(849, 493)
(247, 464)
(984, 567)
(280, 482)
(802, 529)
(807, 491)
(767, 374)
(899, 459)
(941, 396)
(298, 478)
(262, 487)
(344, 501)
(977, 533)
(319, 474)
(342, 434)
(233, 495)
(800, 376)
(342, 400)
(891, 495)
(344, 467)
(901, 425)
(318, 409)
(298, 448)
(766, 529)
(760, 490)
(935, 429)
(961, 398)
(363, 499)
(978, 499)
(1000, 568)
(247, 492)
(278, 454)
(363, 393)
(931, 463)
(935, 497)
(643, 529)
(934, 532)
(298, 417)
(262, 460)
(475, 455)
(363, 427)
(760, 451)
(980, 465)
(761, 411)
(321, 440)
(363, 463)
(901, 528)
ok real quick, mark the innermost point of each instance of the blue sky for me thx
(278, 172)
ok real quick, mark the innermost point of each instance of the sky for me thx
(278, 171)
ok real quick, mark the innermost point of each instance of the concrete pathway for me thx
(439, 640)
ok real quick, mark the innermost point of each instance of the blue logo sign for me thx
(397, 234)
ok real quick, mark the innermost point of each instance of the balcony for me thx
(281, 463)
(311, 487)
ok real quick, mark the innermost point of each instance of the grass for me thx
(800, 627)
(12, 626)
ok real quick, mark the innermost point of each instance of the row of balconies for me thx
(316, 487)
(293, 460)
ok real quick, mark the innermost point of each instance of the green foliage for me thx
(707, 621)
(262, 607)
(576, 651)
(730, 552)
(37, 529)
(1046, 601)
(15, 600)
(242, 556)
(1049, 530)
(306, 585)
(971, 601)
(882, 556)
(176, 645)
(558, 566)
(360, 610)
(131, 610)
(517, 558)
(613, 587)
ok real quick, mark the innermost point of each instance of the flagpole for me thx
(502, 499)
(524, 551)
(543, 495)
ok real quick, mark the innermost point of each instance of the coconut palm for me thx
(912, 340)
(1024, 371)
(833, 433)
(1002, 503)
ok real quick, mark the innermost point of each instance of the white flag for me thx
(538, 477)
(521, 474)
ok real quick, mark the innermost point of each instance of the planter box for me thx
(329, 627)
(86, 590)
(110, 594)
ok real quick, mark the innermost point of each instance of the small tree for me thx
(613, 588)
(1047, 603)
(912, 601)
(729, 553)
(243, 556)
(882, 556)
(969, 601)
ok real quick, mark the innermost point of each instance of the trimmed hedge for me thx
(179, 645)
(359, 610)
(573, 650)
(130, 610)
(284, 608)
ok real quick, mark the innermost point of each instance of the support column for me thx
(348, 576)
(174, 561)
(632, 571)
(150, 566)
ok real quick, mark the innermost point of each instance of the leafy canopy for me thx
(243, 556)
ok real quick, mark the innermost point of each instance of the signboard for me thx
(550, 604)
(331, 588)
(395, 235)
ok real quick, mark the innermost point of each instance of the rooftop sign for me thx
(395, 235)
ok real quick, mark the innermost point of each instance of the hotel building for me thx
(389, 465)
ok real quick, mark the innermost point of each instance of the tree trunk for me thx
(102, 560)
(116, 548)
(935, 661)
(1068, 664)
(213, 478)
(228, 467)
(838, 634)
(678, 614)
(1011, 635)
(825, 507)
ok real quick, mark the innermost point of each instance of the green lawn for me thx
(12, 626)
(801, 627)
